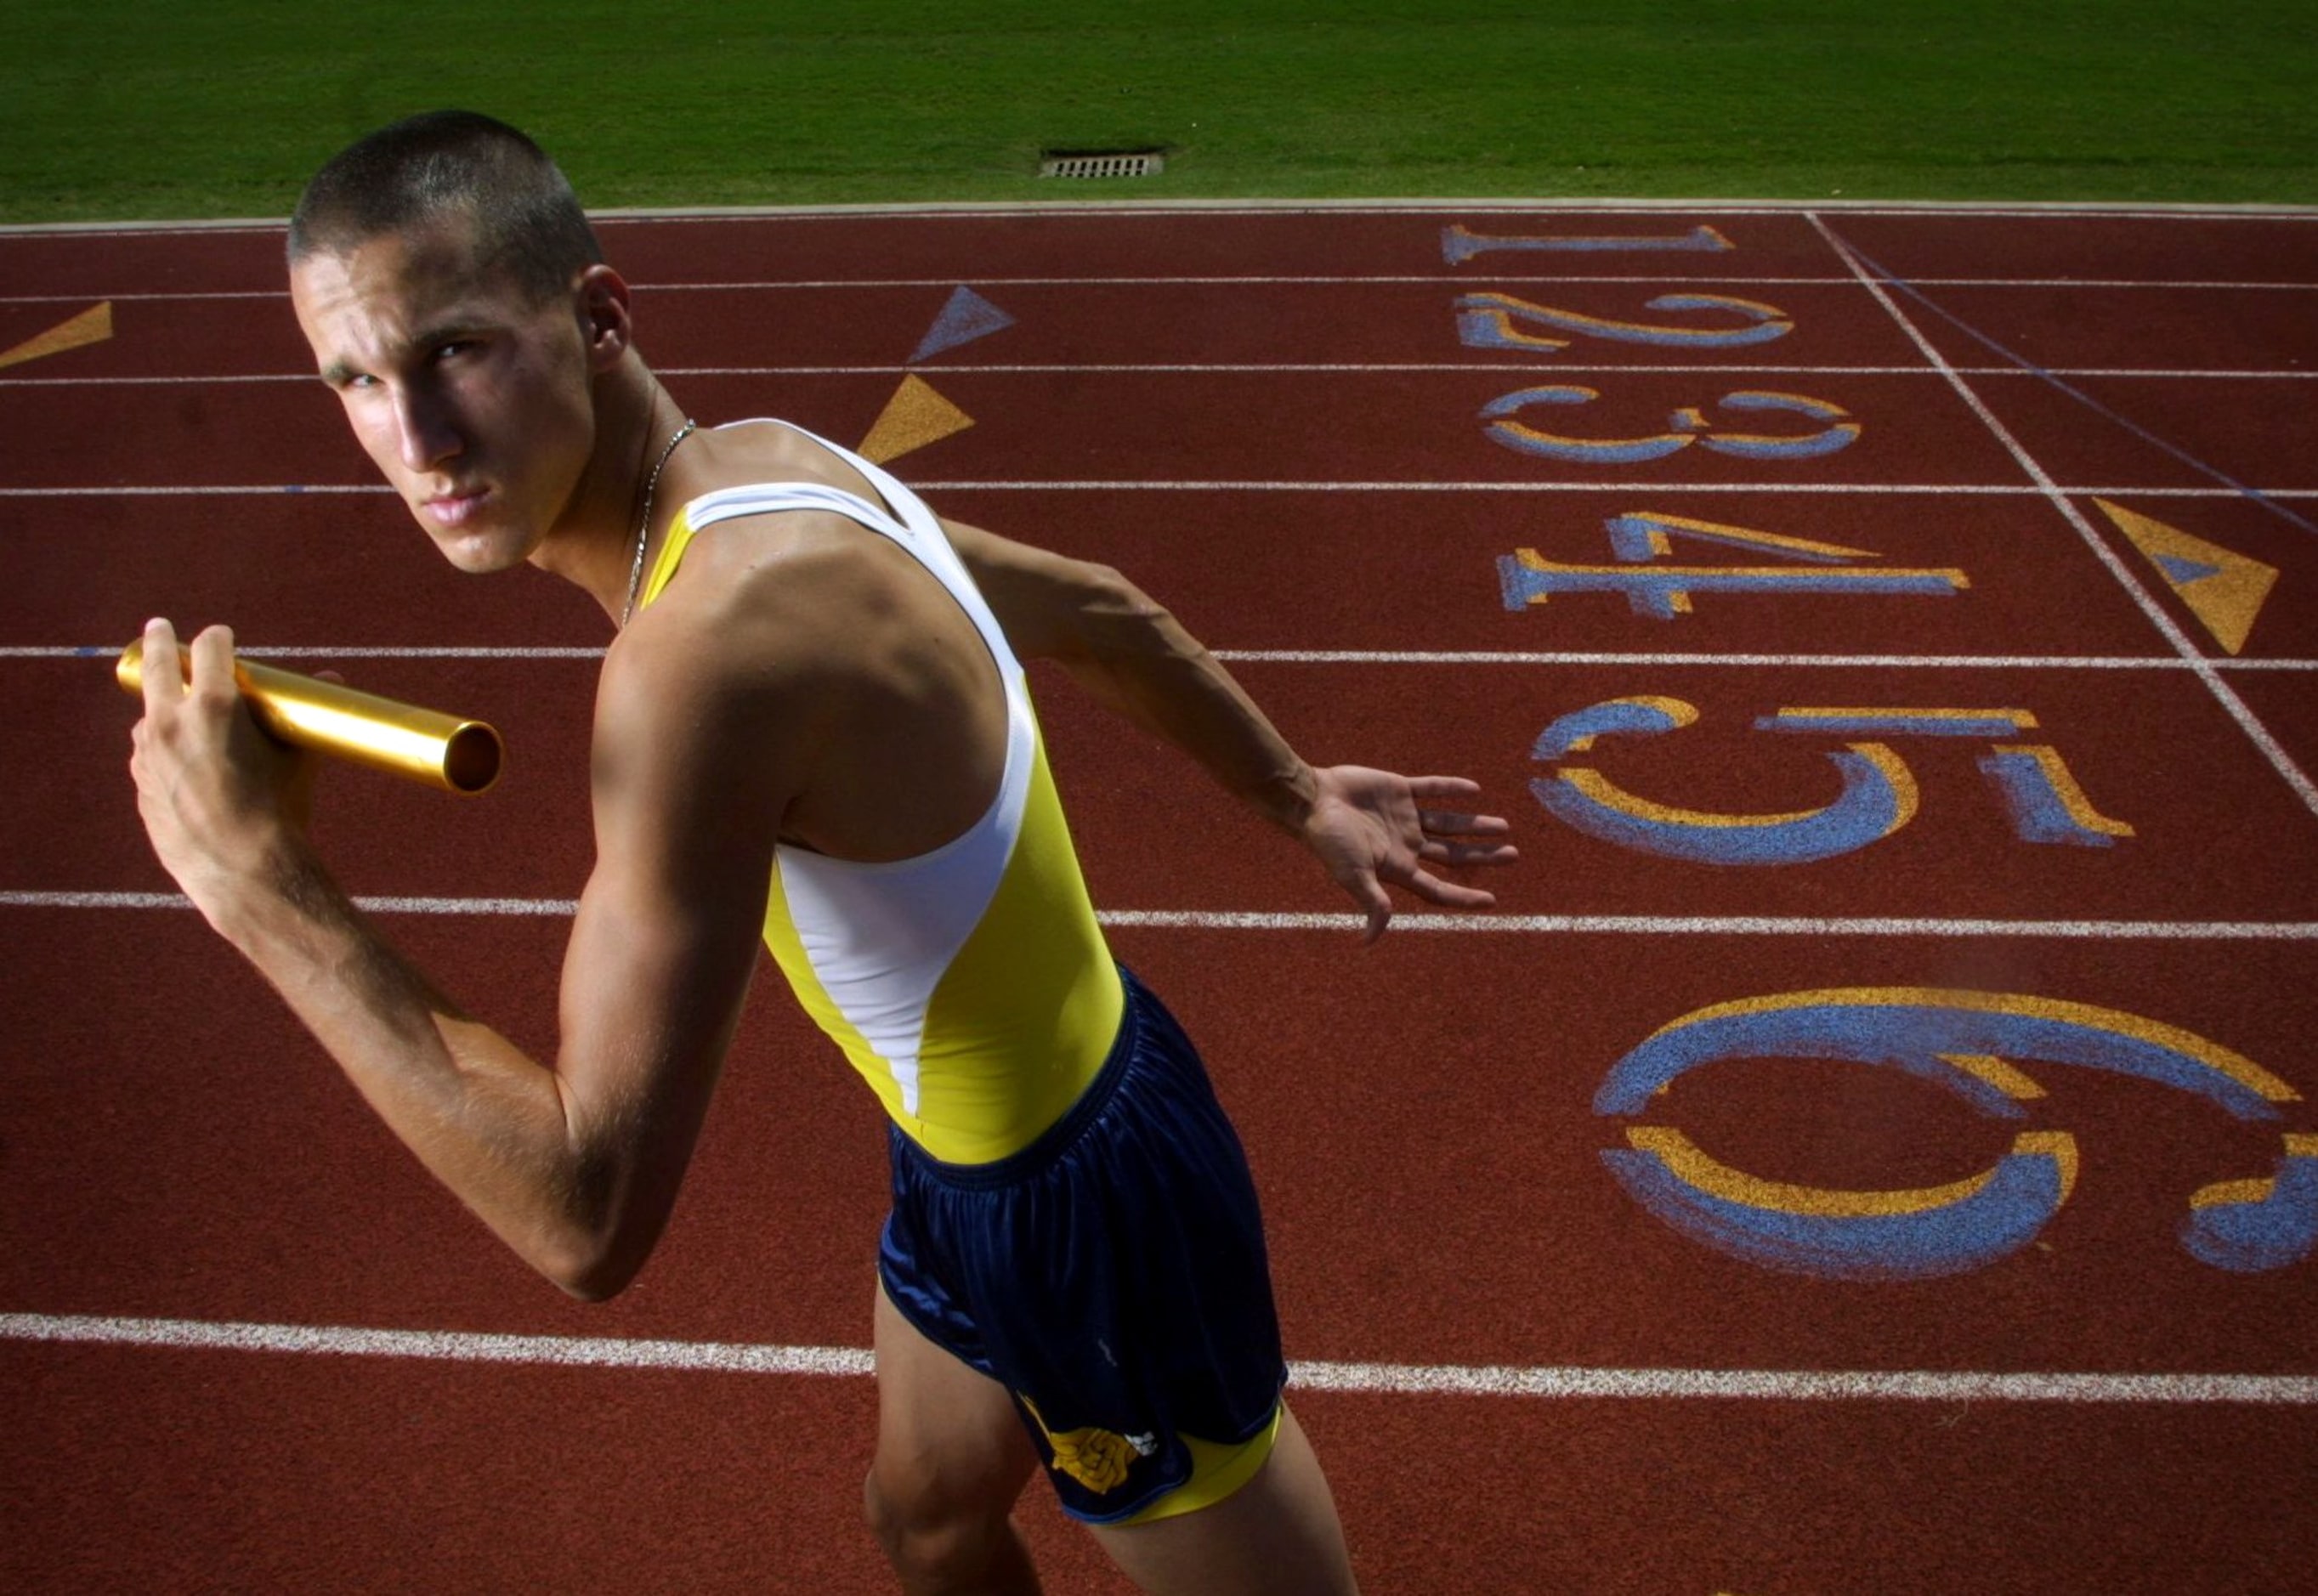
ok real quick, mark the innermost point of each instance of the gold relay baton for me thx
(420, 745)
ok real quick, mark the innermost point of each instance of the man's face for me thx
(473, 399)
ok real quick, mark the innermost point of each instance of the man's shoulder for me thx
(704, 700)
(767, 454)
(799, 603)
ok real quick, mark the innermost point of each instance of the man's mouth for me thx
(455, 510)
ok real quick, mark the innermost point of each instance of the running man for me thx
(810, 730)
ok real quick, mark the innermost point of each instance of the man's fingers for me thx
(1433, 889)
(1430, 790)
(213, 664)
(1369, 894)
(1446, 822)
(1448, 895)
(163, 682)
(1462, 854)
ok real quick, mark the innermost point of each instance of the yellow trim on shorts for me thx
(1216, 1471)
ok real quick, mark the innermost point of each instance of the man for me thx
(811, 728)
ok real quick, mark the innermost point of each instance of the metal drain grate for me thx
(1103, 162)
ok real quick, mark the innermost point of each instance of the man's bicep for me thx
(659, 962)
(665, 941)
(689, 788)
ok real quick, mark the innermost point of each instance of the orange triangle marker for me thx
(2222, 588)
(91, 326)
(914, 418)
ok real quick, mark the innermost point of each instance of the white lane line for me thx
(447, 1346)
(1359, 279)
(2224, 694)
(350, 651)
(219, 380)
(98, 293)
(1662, 490)
(1290, 368)
(1855, 661)
(1805, 1385)
(1870, 490)
(1565, 925)
(1559, 210)
(2160, 283)
(2191, 492)
(517, 907)
(1556, 210)
(195, 490)
(1248, 280)
(1566, 1383)
(1243, 280)
(1458, 656)
(1645, 925)
(1129, 485)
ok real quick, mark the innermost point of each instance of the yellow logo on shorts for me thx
(1097, 1459)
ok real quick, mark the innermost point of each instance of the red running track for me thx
(1522, 1376)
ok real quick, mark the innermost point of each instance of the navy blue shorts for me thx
(1112, 1274)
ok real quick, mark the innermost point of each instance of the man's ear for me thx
(606, 322)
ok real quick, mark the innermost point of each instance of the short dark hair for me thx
(527, 221)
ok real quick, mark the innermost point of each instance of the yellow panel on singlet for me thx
(969, 986)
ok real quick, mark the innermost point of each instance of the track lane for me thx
(277, 1465)
(2215, 328)
(95, 567)
(2217, 837)
(2241, 432)
(1247, 426)
(2252, 247)
(2291, 713)
(1091, 322)
(1439, 1087)
(1312, 570)
(1118, 242)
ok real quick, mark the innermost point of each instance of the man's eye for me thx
(455, 346)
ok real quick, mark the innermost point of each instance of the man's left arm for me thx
(1370, 828)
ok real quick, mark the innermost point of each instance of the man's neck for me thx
(593, 544)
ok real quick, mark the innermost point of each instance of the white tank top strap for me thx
(916, 528)
(763, 498)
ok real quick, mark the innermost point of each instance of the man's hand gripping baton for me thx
(420, 745)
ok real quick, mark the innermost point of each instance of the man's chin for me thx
(478, 549)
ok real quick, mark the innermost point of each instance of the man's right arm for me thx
(573, 1161)
(1368, 827)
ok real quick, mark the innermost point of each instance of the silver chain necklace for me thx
(643, 522)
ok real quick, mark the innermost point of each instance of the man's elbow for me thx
(1116, 616)
(597, 1287)
(589, 1279)
(592, 1266)
(1112, 592)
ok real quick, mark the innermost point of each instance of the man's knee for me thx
(933, 1530)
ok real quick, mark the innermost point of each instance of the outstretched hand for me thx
(1373, 830)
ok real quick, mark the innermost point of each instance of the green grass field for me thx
(114, 109)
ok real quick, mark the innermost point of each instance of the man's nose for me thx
(425, 431)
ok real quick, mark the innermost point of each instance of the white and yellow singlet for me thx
(970, 986)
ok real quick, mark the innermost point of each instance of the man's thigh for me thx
(1276, 1536)
(949, 1444)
